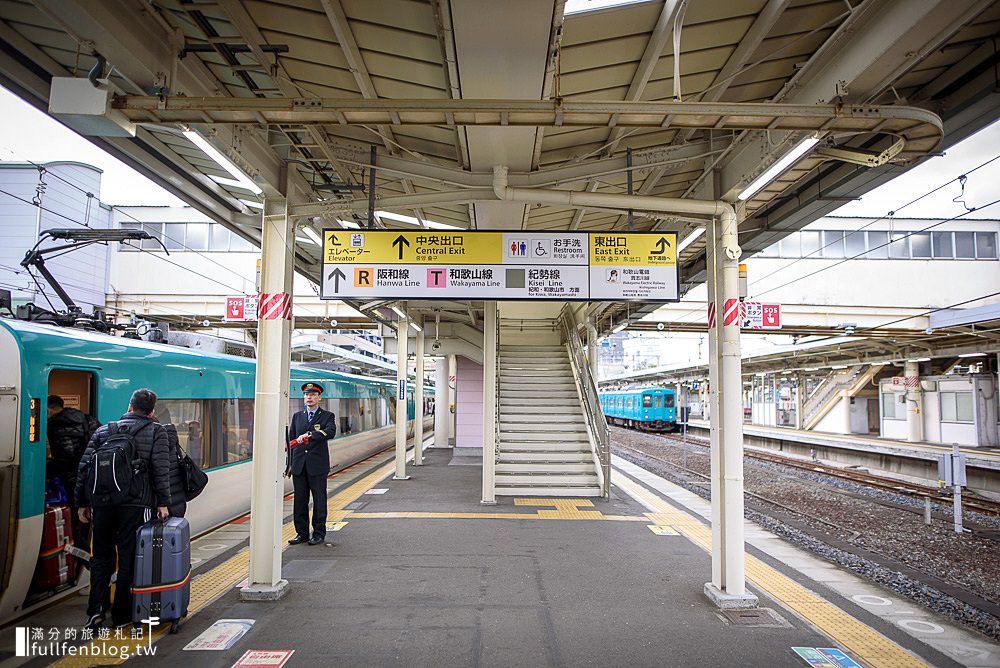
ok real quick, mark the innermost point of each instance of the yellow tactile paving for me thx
(870, 647)
(400, 515)
(212, 584)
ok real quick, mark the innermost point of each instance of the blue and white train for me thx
(210, 397)
(646, 408)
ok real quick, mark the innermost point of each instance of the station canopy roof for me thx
(699, 97)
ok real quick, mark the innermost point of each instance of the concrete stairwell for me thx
(544, 449)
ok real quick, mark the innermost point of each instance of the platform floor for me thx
(422, 574)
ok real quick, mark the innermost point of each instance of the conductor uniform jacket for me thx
(312, 458)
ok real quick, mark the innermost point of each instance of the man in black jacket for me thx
(309, 464)
(69, 431)
(115, 525)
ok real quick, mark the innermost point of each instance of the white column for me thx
(270, 404)
(441, 413)
(800, 400)
(914, 402)
(714, 412)
(729, 590)
(489, 401)
(418, 399)
(846, 398)
(401, 344)
(452, 398)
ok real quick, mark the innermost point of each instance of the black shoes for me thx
(94, 622)
(299, 539)
(315, 540)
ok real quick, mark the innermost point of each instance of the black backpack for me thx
(116, 474)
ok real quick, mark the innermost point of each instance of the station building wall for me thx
(960, 409)
(62, 194)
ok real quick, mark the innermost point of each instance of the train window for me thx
(647, 401)
(956, 407)
(8, 436)
(659, 401)
(186, 416)
(237, 430)
(668, 401)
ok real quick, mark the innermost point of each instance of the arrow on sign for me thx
(336, 275)
(400, 241)
(662, 246)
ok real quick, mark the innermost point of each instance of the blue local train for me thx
(646, 408)
(209, 397)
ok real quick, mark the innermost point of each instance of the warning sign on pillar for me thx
(761, 316)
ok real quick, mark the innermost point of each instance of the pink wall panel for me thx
(469, 404)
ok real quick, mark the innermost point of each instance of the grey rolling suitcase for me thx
(161, 584)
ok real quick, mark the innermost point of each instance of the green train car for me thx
(209, 397)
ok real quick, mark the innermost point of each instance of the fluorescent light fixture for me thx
(349, 223)
(973, 355)
(839, 366)
(812, 368)
(920, 359)
(777, 168)
(312, 235)
(415, 326)
(398, 311)
(689, 239)
(620, 327)
(223, 161)
(441, 226)
(397, 216)
(303, 240)
(580, 6)
(253, 204)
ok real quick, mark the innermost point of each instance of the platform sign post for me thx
(951, 473)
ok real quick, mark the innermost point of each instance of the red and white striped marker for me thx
(711, 314)
(731, 313)
(274, 306)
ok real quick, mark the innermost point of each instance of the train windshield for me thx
(668, 401)
(647, 401)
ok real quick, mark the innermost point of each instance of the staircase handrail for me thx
(830, 386)
(596, 422)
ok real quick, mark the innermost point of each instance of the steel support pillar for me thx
(402, 342)
(728, 586)
(489, 401)
(271, 403)
(593, 350)
(800, 400)
(914, 402)
(418, 399)
(441, 412)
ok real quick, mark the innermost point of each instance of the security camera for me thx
(206, 323)
(333, 322)
(659, 326)
(436, 346)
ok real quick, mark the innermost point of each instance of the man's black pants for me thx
(114, 530)
(306, 486)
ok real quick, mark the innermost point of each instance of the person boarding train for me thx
(309, 464)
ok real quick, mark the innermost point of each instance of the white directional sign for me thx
(565, 266)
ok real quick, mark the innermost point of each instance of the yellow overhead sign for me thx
(423, 247)
(649, 249)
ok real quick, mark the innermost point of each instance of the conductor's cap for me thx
(312, 387)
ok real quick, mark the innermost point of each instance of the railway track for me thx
(985, 506)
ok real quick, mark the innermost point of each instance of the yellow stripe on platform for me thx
(211, 585)
(868, 646)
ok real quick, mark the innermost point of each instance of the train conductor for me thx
(309, 464)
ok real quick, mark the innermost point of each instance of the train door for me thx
(77, 390)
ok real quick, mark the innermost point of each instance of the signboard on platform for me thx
(241, 309)
(761, 316)
(221, 635)
(564, 266)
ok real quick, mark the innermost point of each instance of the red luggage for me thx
(56, 568)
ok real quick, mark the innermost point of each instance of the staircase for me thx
(544, 448)
(826, 396)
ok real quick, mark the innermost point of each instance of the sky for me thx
(28, 134)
